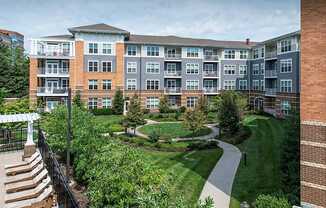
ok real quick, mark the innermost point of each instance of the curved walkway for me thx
(218, 186)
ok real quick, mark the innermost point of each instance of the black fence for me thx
(60, 183)
(12, 139)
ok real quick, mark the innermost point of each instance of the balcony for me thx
(172, 74)
(172, 90)
(270, 92)
(210, 90)
(173, 56)
(210, 73)
(271, 55)
(52, 49)
(211, 58)
(271, 73)
(52, 91)
(59, 72)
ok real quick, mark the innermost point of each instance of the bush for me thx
(102, 111)
(146, 111)
(183, 109)
(268, 201)
(201, 145)
(154, 137)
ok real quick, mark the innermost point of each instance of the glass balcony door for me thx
(171, 84)
(52, 68)
(51, 84)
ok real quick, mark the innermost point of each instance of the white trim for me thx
(132, 62)
(99, 48)
(314, 165)
(313, 123)
(286, 80)
(132, 80)
(194, 64)
(313, 185)
(192, 80)
(232, 66)
(154, 81)
(98, 66)
(286, 60)
(152, 62)
(314, 144)
(102, 66)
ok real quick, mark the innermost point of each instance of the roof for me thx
(8, 32)
(99, 28)
(19, 117)
(59, 37)
(283, 36)
(182, 41)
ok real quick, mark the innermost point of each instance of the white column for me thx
(30, 133)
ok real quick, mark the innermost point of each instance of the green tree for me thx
(135, 115)
(77, 100)
(194, 120)
(2, 96)
(268, 201)
(118, 102)
(164, 106)
(202, 105)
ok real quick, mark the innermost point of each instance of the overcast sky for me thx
(215, 19)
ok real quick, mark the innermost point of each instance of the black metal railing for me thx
(12, 139)
(65, 197)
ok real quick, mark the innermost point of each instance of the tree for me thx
(228, 112)
(268, 201)
(135, 115)
(118, 102)
(194, 120)
(164, 104)
(2, 96)
(77, 100)
(202, 105)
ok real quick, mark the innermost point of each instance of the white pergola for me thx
(25, 117)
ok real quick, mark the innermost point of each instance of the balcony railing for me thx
(53, 72)
(173, 56)
(270, 54)
(172, 90)
(270, 91)
(52, 90)
(210, 89)
(172, 74)
(210, 73)
(270, 73)
(211, 57)
(57, 53)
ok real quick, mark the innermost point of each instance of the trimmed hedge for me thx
(102, 111)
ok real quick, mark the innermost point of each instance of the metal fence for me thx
(12, 139)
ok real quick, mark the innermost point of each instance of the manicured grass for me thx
(172, 130)
(110, 123)
(189, 170)
(262, 173)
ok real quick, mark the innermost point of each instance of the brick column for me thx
(313, 103)
(33, 67)
(119, 78)
(76, 68)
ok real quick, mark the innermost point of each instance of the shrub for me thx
(146, 111)
(183, 109)
(268, 201)
(177, 114)
(164, 106)
(118, 102)
(154, 137)
(201, 145)
(102, 111)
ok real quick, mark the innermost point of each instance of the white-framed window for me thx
(192, 52)
(256, 53)
(107, 84)
(93, 48)
(229, 54)
(286, 45)
(152, 67)
(131, 67)
(65, 83)
(243, 85)
(171, 68)
(262, 85)
(92, 103)
(285, 107)
(192, 84)
(106, 66)
(262, 68)
(262, 52)
(152, 102)
(92, 84)
(92, 66)
(106, 48)
(208, 84)
(244, 54)
(153, 51)
(243, 69)
(192, 68)
(131, 84)
(192, 102)
(131, 50)
(106, 102)
(286, 85)
(209, 68)
(152, 84)
(286, 65)
(229, 69)
(255, 69)
(229, 84)
(255, 84)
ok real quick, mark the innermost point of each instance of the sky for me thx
(214, 19)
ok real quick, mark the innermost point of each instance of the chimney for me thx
(247, 41)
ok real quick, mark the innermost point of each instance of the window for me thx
(132, 50)
(152, 102)
(208, 84)
(171, 53)
(256, 53)
(229, 69)
(106, 48)
(92, 84)
(192, 68)
(106, 102)
(131, 67)
(242, 84)
(152, 84)
(106, 66)
(286, 46)
(286, 85)
(171, 68)
(92, 48)
(208, 52)
(191, 102)
(152, 68)
(192, 84)
(229, 54)
(255, 70)
(243, 54)
(192, 52)
(262, 68)
(92, 66)
(262, 52)
(153, 51)
(285, 107)
(229, 84)
(107, 84)
(255, 84)
(286, 65)
(243, 69)
(209, 68)
(131, 84)
(65, 83)
(92, 103)
(262, 85)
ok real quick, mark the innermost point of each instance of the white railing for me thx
(174, 74)
(53, 72)
(210, 89)
(173, 56)
(271, 54)
(270, 91)
(211, 57)
(270, 73)
(210, 73)
(52, 90)
(171, 90)
(56, 53)
(52, 48)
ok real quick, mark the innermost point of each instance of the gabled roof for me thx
(182, 41)
(283, 36)
(98, 28)
(59, 37)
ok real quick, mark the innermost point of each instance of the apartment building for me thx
(96, 60)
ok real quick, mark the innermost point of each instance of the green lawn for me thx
(262, 173)
(189, 169)
(172, 130)
(109, 122)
